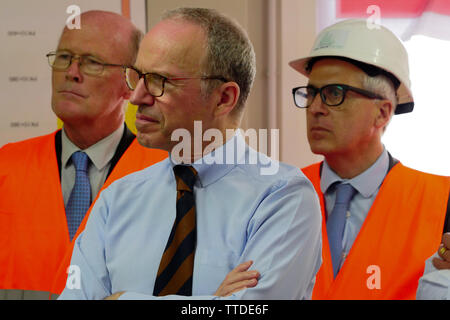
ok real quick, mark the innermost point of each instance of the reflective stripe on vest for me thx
(402, 229)
(34, 236)
(15, 294)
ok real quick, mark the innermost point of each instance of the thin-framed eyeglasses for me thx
(332, 94)
(155, 82)
(61, 61)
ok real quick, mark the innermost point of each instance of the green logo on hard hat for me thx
(332, 39)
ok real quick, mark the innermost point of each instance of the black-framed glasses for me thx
(155, 82)
(332, 94)
(61, 61)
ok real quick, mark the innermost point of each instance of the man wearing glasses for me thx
(176, 230)
(381, 220)
(48, 183)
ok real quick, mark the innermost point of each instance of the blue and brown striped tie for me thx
(177, 263)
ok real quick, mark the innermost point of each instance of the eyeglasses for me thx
(155, 82)
(332, 94)
(61, 61)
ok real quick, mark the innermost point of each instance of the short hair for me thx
(381, 85)
(135, 41)
(230, 53)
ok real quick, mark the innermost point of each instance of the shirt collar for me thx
(220, 161)
(99, 153)
(366, 183)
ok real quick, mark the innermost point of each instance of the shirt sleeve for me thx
(88, 275)
(434, 284)
(284, 241)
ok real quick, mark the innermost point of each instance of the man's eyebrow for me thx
(83, 54)
(311, 85)
(161, 73)
(63, 49)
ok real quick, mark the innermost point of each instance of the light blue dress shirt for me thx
(242, 215)
(367, 185)
(434, 284)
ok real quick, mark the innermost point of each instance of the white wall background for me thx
(29, 30)
(281, 31)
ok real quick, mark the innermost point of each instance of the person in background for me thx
(435, 282)
(49, 182)
(381, 220)
(184, 228)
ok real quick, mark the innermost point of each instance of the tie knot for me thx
(185, 177)
(80, 161)
(344, 193)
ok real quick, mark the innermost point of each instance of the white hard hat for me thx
(371, 44)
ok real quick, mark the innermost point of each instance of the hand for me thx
(115, 296)
(444, 253)
(237, 279)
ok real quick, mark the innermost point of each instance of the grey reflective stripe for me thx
(54, 296)
(15, 294)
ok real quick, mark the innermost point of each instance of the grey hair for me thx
(383, 86)
(135, 41)
(230, 53)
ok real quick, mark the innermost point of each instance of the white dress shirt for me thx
(100, 155)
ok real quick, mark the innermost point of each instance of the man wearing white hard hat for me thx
(382, 220)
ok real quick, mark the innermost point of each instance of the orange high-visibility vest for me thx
(402, 229)
(34, 235)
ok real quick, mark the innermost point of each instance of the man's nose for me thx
(74, 71)
(141, 96)
(318, 106)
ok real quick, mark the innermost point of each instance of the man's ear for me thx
(384, 113)
(228, 95)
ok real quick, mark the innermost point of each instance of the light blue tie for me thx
(336, 223)
(80, 197)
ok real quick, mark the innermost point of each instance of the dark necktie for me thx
(80, 197)
(177, 263)
(336, 223)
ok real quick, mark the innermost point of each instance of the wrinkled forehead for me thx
(330, 70)
(173, 45)
(107, 39)
(370, 70)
